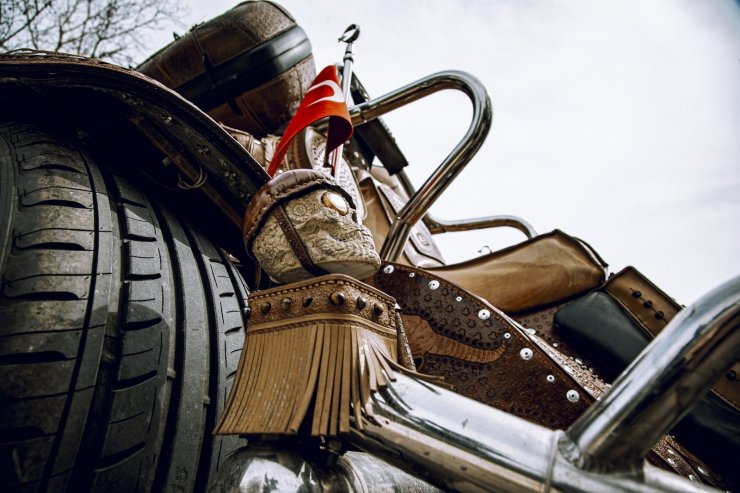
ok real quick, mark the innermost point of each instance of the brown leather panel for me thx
(540, 322)
(547, 269)
(296, 244)
(653, 309)
(236, 31)
(222, 40)
(283, 187)
(314, 297)
(642, 299)
(480, 357)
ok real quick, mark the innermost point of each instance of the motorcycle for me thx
(126, 299)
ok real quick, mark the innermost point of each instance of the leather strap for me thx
(298, 247)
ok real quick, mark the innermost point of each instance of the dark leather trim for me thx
(294, 240)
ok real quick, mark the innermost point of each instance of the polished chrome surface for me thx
(661, 385)
(270, 467)
(437, 226)
(451, 166)
(461, 445)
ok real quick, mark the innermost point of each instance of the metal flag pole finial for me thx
(349, 36)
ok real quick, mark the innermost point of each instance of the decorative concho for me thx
(335, 201)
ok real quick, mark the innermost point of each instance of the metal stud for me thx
(484, 314)
(377, 310)
(433, 284)
(307, 301)
(702, 471)
(579, 361)
(411, 274)
(337, 298)
(388, 269)
(285, 303)
(507, 336)
(693, 478)
(572, 396)
(526, 354)
(459, 298)
(550, 378)
(531, 331)
(265, 309)
(361, 303)
(554, 344)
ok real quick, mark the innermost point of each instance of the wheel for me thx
(120, 329)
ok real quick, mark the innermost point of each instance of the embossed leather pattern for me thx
(249, 67)
(481, 351)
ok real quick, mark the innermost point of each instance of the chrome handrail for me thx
(662, 383)
(451, 166)
(462, 445)
(437, 226)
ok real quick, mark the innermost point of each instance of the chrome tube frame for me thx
(661, 385)
(437, 226)
(459, 444)
(452, 165)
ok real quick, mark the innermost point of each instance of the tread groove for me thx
(128, 383)
(119, 457)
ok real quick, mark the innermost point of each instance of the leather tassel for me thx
(313, 356)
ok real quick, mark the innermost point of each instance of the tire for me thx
(120, 329)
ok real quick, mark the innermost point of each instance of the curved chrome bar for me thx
(453, 164)
(661, 385)
(437, 226)
(459, 444)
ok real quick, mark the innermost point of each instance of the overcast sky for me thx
(617, 122)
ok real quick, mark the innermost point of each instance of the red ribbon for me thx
(323, 99)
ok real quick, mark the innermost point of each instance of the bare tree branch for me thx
(107, 29)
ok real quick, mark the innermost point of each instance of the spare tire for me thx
(120, 329)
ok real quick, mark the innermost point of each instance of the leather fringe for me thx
(309, 377)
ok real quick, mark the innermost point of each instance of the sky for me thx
(616, 122)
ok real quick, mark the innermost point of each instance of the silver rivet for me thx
(579, 361)
(433, 285)
(484, 314)
(411, 274)
(671, 461)
(507, 336)
(526, 354)
(550, 378)
(670, 451)
(702, 471)
(459, 298)
(693, 478)
(572, 396)
(388, 269)
(554, 344)
(531, 331)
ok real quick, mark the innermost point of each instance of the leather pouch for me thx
(302, 224)
(248, 67)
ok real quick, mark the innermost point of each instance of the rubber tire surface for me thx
(120, 329)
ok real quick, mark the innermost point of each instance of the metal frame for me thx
(422, 199)
(460, 444)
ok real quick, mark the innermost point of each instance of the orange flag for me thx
(323, 99)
